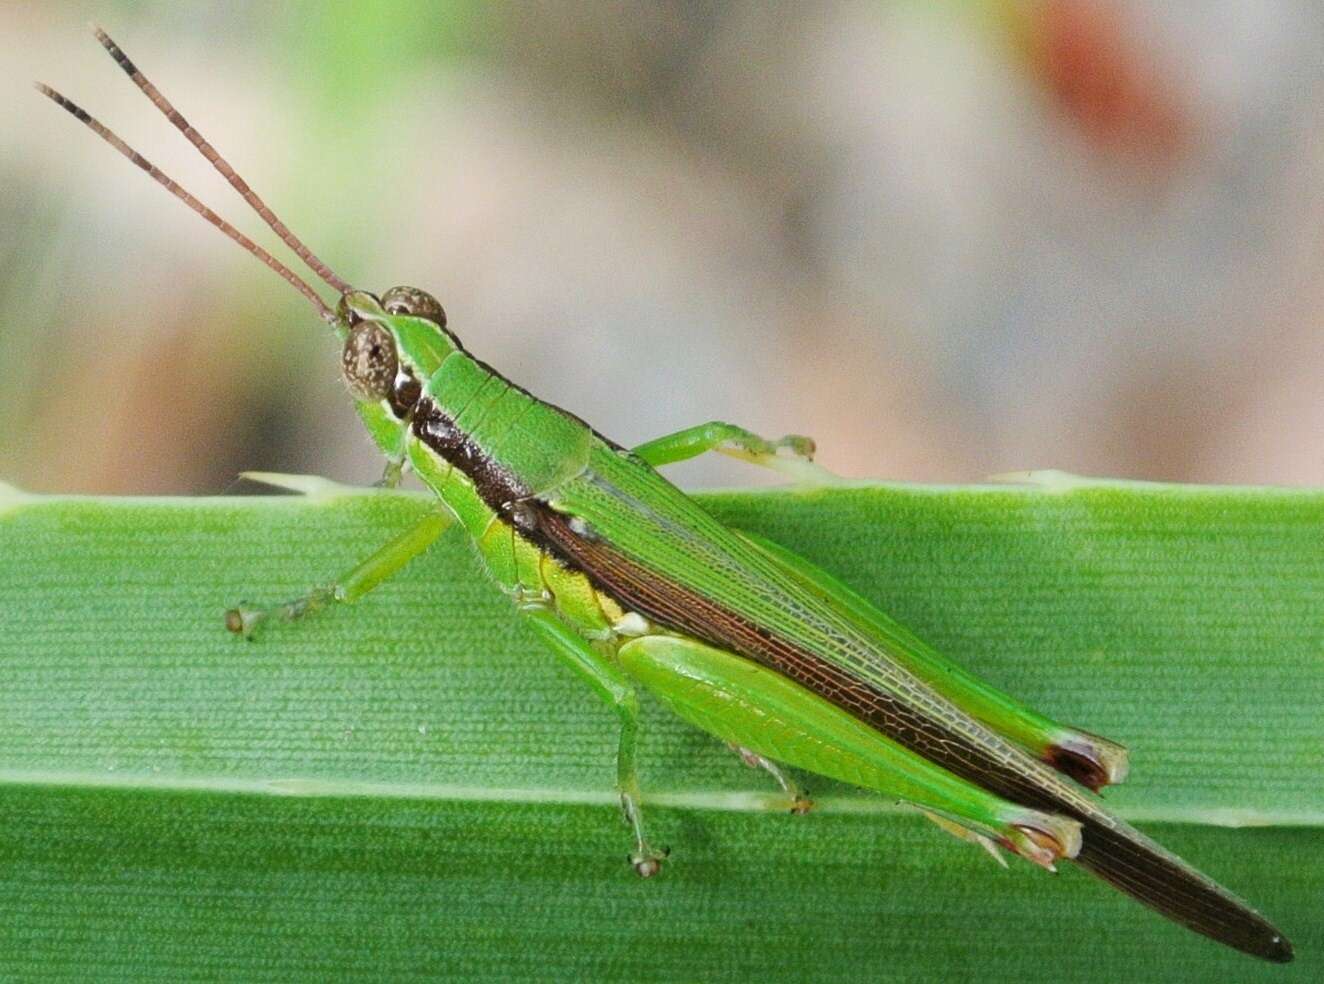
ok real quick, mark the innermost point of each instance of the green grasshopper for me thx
(634, 585)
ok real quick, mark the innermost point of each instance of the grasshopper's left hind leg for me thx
(609, 683)
(350, 586)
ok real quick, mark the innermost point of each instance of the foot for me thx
(792, 455)
(796, 445)
(243, 620)
(751, 445)
(647, 862)
(391, 475)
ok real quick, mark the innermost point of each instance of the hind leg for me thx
(746, 704)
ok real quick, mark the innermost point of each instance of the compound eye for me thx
(411, 300)
(369, 361)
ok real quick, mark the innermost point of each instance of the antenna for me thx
(219, 162)
(172, 186)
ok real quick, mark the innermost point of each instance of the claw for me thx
(647, 862)
(242, 620)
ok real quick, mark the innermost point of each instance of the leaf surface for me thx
(411, 788)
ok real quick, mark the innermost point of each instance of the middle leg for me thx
(609, 683)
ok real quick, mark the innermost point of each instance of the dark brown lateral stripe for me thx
(496, 485)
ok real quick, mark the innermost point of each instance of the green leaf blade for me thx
(411, 788)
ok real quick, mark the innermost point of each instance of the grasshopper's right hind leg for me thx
(609, 683)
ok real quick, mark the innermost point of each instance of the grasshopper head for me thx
(392, 346)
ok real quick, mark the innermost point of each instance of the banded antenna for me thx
(209, 152)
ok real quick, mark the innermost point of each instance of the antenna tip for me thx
(64, 103)
(115, 50)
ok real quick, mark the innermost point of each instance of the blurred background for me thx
(945, 239)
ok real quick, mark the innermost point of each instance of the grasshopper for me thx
(635, 586)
